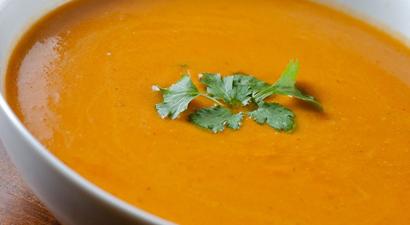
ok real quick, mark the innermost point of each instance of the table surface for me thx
(18, 205)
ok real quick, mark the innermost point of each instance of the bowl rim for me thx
(53, 161)
(70, 174)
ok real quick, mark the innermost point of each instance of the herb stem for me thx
(212, 99)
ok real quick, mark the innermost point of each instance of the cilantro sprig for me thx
(231, 92)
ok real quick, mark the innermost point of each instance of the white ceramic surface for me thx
(71, 198)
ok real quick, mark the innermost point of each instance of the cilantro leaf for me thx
(216, 118)
(176, 98)
(217, 86)
(257, 86)
(234, 90)
(286, 85)
(275, 115)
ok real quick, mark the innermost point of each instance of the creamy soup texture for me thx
(80, 80)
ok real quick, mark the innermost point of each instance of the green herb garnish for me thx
(231, 92)
(176, 98)
(216, 118)
(275, 115)
(234, 90)
(286, 85)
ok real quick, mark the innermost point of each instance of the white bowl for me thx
(70, 197)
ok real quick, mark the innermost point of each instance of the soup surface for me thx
(80, 80)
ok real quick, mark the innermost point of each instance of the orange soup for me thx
(80, 80)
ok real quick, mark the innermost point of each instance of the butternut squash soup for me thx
(80, 80)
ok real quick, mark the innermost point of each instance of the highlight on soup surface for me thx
(80, 80)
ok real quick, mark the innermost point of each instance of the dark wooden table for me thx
(18, 206)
